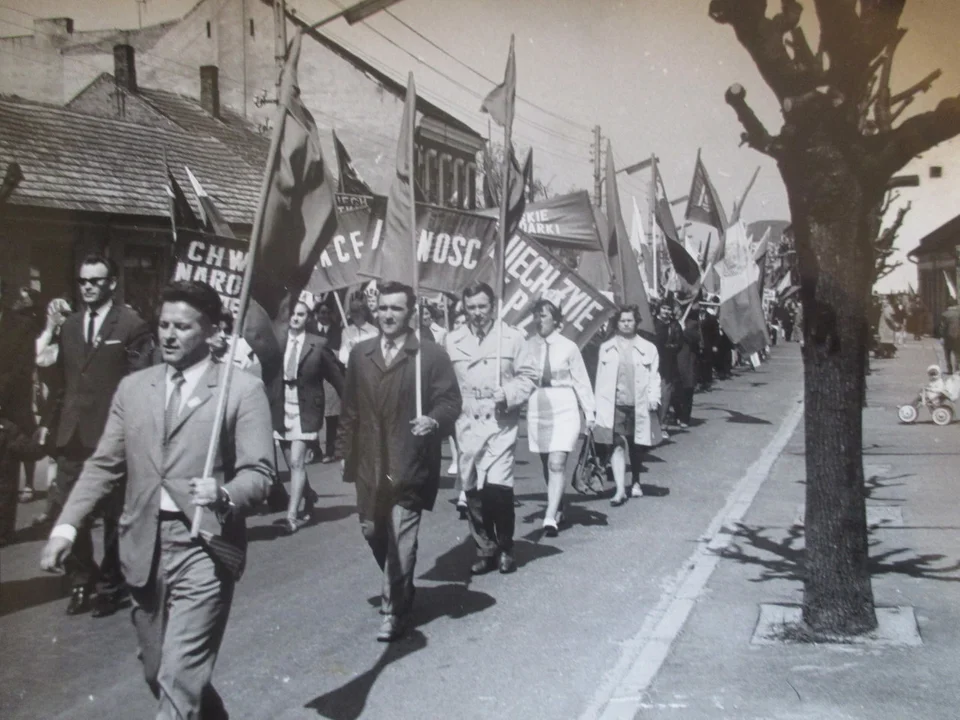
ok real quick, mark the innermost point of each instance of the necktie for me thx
(291, 370)
(90, 320)
(390, 349)
(173, 405)
(547, 375)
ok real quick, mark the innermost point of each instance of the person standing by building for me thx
(950, 336)
(553, 411)
(487, 427)
(297, 404)
(391, 453)
(99, 345)
(155, 443)
(627, 396)
(331, 335)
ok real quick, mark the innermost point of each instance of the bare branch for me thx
(896, 148)
(756, 135)
(764, 39)
(922, 86)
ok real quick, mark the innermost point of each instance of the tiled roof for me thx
(72, 161)
(231, 129)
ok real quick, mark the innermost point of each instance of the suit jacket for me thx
(390, 465)
(317, 363)
(132, 449)
(17, 360)
(91, 375)
(333, 336)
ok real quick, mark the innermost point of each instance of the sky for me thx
(651, 73)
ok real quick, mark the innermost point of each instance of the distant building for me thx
(937, 257)
(344, 91)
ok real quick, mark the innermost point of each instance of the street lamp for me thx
(357, 13)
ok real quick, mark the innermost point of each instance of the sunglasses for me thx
(81, 281)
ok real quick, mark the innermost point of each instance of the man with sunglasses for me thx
(99, 345)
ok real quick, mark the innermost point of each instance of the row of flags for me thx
(300, 240)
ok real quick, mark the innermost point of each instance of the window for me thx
(208, 29)
(936, 171)
(251, 28)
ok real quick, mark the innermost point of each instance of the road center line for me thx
(622, 694)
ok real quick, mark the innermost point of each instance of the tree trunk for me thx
(835, 221)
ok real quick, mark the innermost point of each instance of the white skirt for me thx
(291, 417)
(553, 420)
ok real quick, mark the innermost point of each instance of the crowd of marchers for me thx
(127, 412)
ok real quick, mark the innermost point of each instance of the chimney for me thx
(52, 32)
(210, 89)
(124, 67)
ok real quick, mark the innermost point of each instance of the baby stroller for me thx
(938, 396)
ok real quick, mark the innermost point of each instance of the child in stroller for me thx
(938, 396)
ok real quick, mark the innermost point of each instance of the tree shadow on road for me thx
(783, 558)
(739, 417)
(17, 595)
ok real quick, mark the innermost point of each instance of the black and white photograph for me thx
(357, 363)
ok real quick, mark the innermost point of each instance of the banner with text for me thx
(217, 261)
(531, 269)
(564, 221)
(450, 246)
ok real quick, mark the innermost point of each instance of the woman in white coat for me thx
(627, 395)
(553, 412)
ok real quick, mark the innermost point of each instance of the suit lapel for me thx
(309, 344)
(201, 395)
(375, 354)
(157, 403)
(106, 330)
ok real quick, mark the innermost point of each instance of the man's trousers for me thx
(392, 536)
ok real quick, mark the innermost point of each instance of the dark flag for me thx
(213, 219)
(704, 204)
(297, 216)
(517, 196)
(181, 212)
(628, 286)
(501, 100)
(684, 264)
(349, 180)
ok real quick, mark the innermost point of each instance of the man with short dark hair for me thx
(391, 452)
(156, 437)
(950, 336)
(488, 426)
(99, 346)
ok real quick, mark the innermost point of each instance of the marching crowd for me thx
(126, 412)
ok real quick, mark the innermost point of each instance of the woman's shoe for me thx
(462, 509)
(636, 491)
(618, 501)
(550, 528)
(291, 525)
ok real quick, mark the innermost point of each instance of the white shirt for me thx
(191, 378)
(98, 320)
(398, 344)
(352, 335)
(294, 345)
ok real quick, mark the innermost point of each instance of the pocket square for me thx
(193, 402)
(112, 342)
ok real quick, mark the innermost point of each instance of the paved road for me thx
(542, 643)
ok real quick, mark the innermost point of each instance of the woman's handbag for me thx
(589, 474)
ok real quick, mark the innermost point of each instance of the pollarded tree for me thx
(839, 146)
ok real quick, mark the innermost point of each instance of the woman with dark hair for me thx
(297, 405)
(627, 395)
(361, 327)
(553, 411)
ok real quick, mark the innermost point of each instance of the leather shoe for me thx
(80, 601)
(106, 605)
(392, 628)
(507, 564)
(483, 566)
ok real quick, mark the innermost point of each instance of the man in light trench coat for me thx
(487, 427)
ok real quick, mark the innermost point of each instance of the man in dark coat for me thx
(390, 451)
(99, 346)
(688, 356)
(17, 357)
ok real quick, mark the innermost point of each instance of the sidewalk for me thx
(913, 484)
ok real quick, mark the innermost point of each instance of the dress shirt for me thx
(322, 330)
(294, 344)
(97, 321)
(626, 390)
(398, 344)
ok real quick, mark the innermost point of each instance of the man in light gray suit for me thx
(156, 438)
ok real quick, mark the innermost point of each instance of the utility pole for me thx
(597, 169)
(280, 38)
